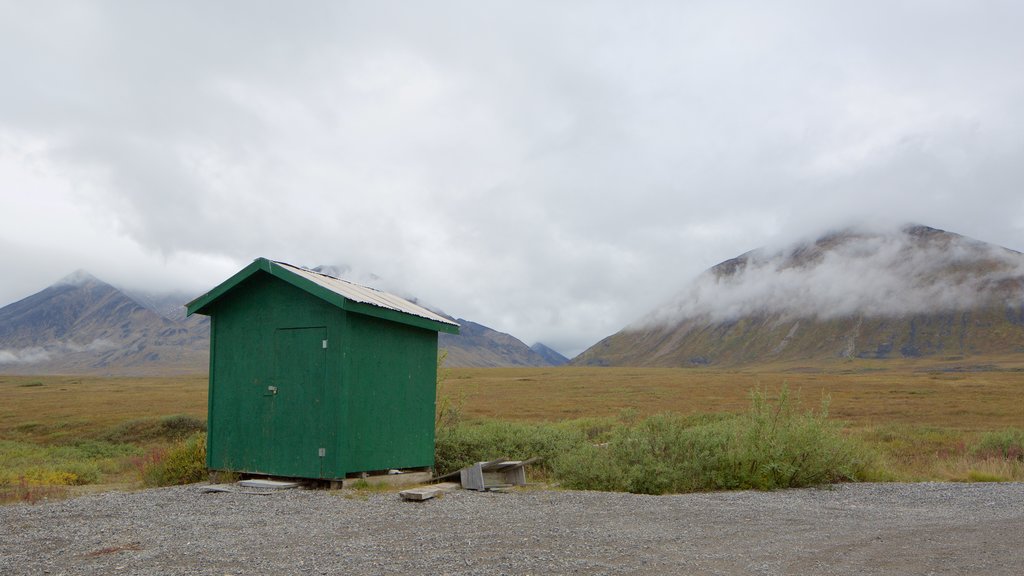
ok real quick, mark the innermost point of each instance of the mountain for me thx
(84, 325)
(916, 292)
(478, 346)
(553, 357)
(475, 346)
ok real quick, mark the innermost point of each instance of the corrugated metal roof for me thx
(364, 294)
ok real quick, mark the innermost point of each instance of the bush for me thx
(464, 444)
(1007, 444)
(772, 446)
(183, 463)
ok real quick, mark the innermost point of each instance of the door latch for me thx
(272, 389)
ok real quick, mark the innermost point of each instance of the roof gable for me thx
(341, 293)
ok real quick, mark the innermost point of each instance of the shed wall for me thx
(367, 398)
(391, 377)
(251, 428)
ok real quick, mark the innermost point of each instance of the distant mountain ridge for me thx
(81, 324)
(553, 357)
(477, 346)
(913, 293)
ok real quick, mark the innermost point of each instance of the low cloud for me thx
(34, 355)
(910, 271)
(39, 354)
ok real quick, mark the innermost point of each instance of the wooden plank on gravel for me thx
(428, 492)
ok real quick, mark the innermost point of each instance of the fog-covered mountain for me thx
(912, 292)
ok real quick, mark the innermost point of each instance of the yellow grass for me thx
(57, 408)
(967, 401)
(923, 418)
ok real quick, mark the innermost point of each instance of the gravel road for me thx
(848, 529)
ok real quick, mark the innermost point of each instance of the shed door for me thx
(296, 434)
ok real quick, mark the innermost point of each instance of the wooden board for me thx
(428, 492)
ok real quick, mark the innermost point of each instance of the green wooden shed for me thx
(312, 376)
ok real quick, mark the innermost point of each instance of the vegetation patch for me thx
(462, 445)
(644, 430)
(182, 463)
(62, 465)
(24, 491)
(774, 445)
(1007, 444)
(171, 428)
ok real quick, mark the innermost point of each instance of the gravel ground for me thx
(848, 529)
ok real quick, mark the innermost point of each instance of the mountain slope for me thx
(478, 346)
(913, 293)
(551, 356)
(81, 324)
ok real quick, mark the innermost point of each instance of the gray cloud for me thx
(549, 170)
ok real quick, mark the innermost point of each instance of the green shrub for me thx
(85, 472)
(772, 446)
(183, 463)
(1007, 444)
(461, 445)
(181, 426)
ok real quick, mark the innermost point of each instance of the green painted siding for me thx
(277, 395)
(391, 371)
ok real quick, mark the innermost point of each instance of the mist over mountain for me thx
(81, 324)
(912, 292)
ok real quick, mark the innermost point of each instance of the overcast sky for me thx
(554, 170)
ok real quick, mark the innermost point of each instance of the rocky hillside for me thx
(912, 293)
(553, 357)
(478, 346)
(84, 325)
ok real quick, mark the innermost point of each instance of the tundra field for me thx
(62, 435)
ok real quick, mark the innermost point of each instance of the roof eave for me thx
(359, 307)
(199, 305)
